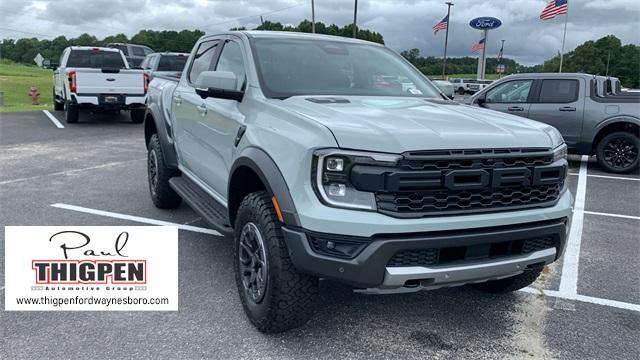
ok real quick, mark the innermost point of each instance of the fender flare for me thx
(613, 120)
(152, 120)
(265, 167)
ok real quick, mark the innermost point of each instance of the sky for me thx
(404, 24)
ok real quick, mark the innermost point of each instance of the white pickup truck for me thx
(98, 79)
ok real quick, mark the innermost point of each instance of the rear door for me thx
(560, 103)
(511, 97)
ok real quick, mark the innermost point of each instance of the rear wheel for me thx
(71, 113)
(162, 195)
(510, 284)
(137, 116)
(275, 296)
(461, 91)
(618, 152)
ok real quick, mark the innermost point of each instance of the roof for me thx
(298, 35)
(549, 75)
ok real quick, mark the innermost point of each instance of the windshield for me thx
(289, 67)
(97, 59)
(172, 63)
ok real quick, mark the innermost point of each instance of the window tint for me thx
(171, 63)
(137, 51)
(95, 59)
(202, 59)
(516, 91)
(559, 91)
(231, 60)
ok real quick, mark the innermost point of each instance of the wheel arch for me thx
(252, 171)
(153, 125)
(615, 124)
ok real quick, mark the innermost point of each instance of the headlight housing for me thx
(330, 177)
(560, 152)
(555, 136)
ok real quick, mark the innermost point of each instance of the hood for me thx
(396, 125)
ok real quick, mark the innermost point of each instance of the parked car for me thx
(592, 120)
(445, 86)
(461, 86)
(478, 85)
(288, 143)
(166, 63)
(133, 52)
(98, 79)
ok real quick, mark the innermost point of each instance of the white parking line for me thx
(135, 218)
(613, 215)
(53, 119)
(609, 177)
(569, 277)
(583, 298)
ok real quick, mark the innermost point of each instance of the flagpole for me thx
(446, 40)
(564, 36)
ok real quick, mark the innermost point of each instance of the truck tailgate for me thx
(109, 81)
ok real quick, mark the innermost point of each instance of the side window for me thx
(123, 48)
(559, 91)
(137, 51)
(516, 91)
(147, 51)
(203, 58)
(231, 60)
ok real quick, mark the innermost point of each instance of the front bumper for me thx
(370, 267)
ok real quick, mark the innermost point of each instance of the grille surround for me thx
(419, 185)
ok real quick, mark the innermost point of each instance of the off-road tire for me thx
(289, 296)
(623, 136)
(510, 284)
(57, 105)
(461, 91)
(71, 113)
(137, 116)
(162, 195)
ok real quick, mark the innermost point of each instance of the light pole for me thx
(355, 16)
(313, 17)
(446, 40)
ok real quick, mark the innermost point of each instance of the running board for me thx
(202, 203)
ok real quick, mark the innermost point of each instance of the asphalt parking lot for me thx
(94, 173)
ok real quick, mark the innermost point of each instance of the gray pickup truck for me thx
(305, 150)
(594, 116)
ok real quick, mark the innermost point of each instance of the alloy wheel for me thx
(253, 264)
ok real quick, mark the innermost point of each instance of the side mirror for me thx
(481, 100)
(218, 84)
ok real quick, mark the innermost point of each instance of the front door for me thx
(510, 97)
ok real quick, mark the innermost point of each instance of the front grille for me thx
(450, 201)
(427, 183)
(448, 255)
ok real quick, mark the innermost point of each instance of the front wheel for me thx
(618, 152)
(137, 116)
(71, 113)
(274, 295)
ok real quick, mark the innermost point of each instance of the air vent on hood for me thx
(328, 100)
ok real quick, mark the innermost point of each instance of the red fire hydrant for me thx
(34, 95)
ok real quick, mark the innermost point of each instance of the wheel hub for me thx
(252, 261)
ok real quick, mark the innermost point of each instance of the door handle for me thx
(202, 109)
(178, 100)
(567, 108)
(515, 108)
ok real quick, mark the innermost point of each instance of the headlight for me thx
(330, 175)
(560, 152)
(556, 137)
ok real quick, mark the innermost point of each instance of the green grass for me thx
(15, 82)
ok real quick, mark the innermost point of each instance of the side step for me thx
(202, 203)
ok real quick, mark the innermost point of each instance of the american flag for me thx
(442, 25)
(477, 46)
(554, 8)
